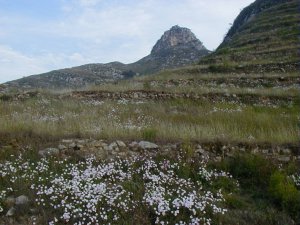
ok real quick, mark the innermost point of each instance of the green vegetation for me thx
(209, 122)
(50, 117)
(244, 189)
(264, 187)
(271, 36)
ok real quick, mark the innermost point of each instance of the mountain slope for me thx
(177, 47)
(266, 32)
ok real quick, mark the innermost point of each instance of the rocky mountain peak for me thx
(177, 37)
(177, 47)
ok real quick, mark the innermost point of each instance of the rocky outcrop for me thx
(141, 95)
(177, 37)
(102, 149)
(177, 47)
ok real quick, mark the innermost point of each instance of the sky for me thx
(37, 36)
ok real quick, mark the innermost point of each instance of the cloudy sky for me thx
(41, 35)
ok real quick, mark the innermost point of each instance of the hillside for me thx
(215, 143)
(265, 34)
(177, 47)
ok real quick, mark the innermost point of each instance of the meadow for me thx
(179, 187)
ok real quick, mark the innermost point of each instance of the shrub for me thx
(149, 134)
(147, 85)
(253, 171)
(285, 194)
(5, 98)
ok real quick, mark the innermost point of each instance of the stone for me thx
(200, 151)
(75, 147)
(284, 159)
(49, 152)
(265, 151)
(78, 147)
(62, 147)
(224, 148)
(98, 144)
(82, 141)
(107, 148)
(177, 37)
(67, 141)
(121, 144)
(255, 151)
(146, 145)
(113, 145)
(11, 212)
(101, 154)
(218, 159)
(133, 146)
(22, 200)
(72, 145)
(286, 151)
(135, 95)
(122, 154)
(132, 153)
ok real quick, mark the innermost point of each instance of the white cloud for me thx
(15, 64)
(146, 20)
(90, 31)
(87, 3)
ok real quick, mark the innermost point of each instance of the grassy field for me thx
(170, 120)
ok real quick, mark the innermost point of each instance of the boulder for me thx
(147, 145)
(62, 147)
(49, 152)
(11, 212)
(284, 159)
(121, 144)
(22, 200)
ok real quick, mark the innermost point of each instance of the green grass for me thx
(270, 37)
(263, 185)
(165, 120)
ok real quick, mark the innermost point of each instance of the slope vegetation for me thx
(265, 33)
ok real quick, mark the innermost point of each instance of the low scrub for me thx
(140, 190)
(266, 183)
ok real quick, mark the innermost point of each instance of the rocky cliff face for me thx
(177, 47)
(177, 37)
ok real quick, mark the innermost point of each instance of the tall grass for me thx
(171, 120)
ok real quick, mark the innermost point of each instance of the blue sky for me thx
(41, 35)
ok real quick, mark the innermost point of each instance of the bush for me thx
(149, 134)
(285, 194)
(147, 85)
(5, 98)
(252, 171)
(222, 68)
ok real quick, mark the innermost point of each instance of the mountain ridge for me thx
(264, 33)
(177, 47)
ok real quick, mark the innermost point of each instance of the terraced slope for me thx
(265, 33)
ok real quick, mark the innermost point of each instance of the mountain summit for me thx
(177, 47)
(177, 37)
